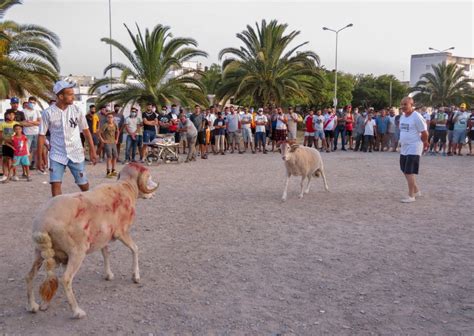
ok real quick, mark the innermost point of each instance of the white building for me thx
(422, 63)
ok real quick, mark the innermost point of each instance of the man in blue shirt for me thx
(382, 122)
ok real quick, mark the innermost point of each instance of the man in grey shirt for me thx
(186, 126)
(233, 130)
(359, 128)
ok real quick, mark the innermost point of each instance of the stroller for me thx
(162, 147)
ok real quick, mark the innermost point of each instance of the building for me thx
(422, 63)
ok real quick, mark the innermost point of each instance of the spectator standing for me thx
(21, 152)
(309, 129)
(219, 133)
(292, 124)
(460, 127)
(319, 131)
(7, 129)
(349, 126)
(340, 128)
(93, 124)
(470, 128)
(186, 126)
(281, 129)
(173, 120)
(392, 129)
(233, 130)
(383, 123)
(439, 119)
(261, 124)
(413, 139)
(359, 130)
(65, 122)
(150, 122)
(450, 126)
(329, 126)
(247, 136)
(31, 129)
(132, 124)
(109, 134)
(120, 122)
(370, 130)
(211, 118)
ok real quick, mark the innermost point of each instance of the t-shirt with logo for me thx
(318, 123)
(369, 127)
(149, 116)
(219, 122)
(246, 117)
(259, 118)
(164, 119)
(410, 129)
(7, 128)
(440, 121)
(31, 115)
(329, 122)
(108, 132)
(20, 145)
(340, 118)
(461, 120)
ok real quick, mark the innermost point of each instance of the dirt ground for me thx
(221, 255)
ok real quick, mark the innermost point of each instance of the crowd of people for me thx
(225, 130)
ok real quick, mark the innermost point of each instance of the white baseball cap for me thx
(61, 85)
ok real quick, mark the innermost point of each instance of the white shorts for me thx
(307, 134)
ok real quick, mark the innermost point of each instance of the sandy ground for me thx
(221, 255)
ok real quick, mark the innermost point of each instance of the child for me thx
(6, 134)
(109, 136)
(21, 153)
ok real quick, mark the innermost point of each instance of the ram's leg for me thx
(74, 262)
(302, 186)
(32, 305)
(108, 273)
(127, 240)
(285, 190)
(308, 185)
(324, 179)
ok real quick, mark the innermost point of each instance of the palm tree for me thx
(266, 69)
(28, 61)
(145, 79)
(447, 85)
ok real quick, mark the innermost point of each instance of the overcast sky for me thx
(384, 35)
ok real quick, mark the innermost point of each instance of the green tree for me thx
(372, 91)
(145, 79)
(212, 79)
(28, 61)
(266, 69)
(447, 85)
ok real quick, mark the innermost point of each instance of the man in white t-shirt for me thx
(292, 118)
(31, 129)
(246, 123)
(260, 130)
(413, 140)
(370, 127)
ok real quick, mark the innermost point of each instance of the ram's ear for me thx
(294, 147)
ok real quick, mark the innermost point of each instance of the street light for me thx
(335, 77)
(440, 51)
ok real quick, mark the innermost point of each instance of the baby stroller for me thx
(162, 147)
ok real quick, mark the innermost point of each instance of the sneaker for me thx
(4, 179)
(114, 173)
(418, 194)
(109, 175)
(408, 200)
(43, 172)
(15, 178)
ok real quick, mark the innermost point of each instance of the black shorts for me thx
(409, 164)
(213, 137)
(329, 134)
(349, 132)
(440, 135)
(201, 138)
(7, 151)
(471, 135)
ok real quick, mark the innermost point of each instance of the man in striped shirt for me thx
(65, 123)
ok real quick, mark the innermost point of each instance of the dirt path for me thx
(220, 254)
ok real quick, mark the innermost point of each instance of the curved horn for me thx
(294, 147)
(143, 183)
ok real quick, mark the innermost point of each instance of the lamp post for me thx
(440, 51)
(335, 77)
(110, 36)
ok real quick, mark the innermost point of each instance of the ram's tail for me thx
(317, 173)
(50, 285)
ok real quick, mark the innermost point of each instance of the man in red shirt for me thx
(309, 130)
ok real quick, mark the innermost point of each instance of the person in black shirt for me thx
(164, 121)
(150, 121)
(14, 104)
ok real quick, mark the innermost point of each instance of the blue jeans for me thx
(131, 145)
(341, 129)
(148, 136)
(260, 136)
(56, 171)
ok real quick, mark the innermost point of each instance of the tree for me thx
(212, 79)
(372, 91)
(28, 60)
(146, 79)
(266, 69)
(447, 85)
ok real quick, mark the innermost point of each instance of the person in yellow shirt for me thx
(6, 135)
(93, 123)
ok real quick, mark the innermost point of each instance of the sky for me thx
(384, 36)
